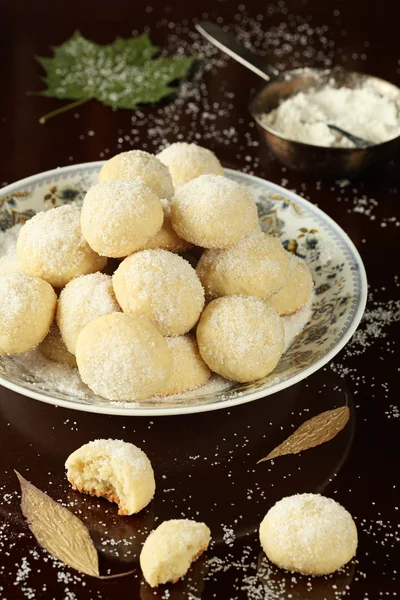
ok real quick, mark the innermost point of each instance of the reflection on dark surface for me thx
(285, 585)
(199, 459)
(189, 587)
(117, 539)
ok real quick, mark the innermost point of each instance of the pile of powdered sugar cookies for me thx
(305, 533)
(116, 287)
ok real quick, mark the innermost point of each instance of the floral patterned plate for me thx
(338, 305)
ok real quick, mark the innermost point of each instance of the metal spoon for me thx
(228, 44)
(357, 141)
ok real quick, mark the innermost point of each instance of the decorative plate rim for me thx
(222, 404)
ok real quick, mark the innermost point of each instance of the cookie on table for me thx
(113, 469)
(170, 549)
(309, 533)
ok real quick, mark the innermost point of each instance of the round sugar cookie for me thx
(8, 265)
(189, 371)
(123, 357)
(82, 300)
(54, 348)
(27, 307)
(113, 469)
(213, 212)
(51, 246)
(240, 337)
(120, 217)
(166, 238)
(308, 533)
(256, 266)
(141, 166)
(296, 290)
(188, 161)
(161, 286)
(170, 549)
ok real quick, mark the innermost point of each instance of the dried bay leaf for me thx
(314, 432)
(58, 530)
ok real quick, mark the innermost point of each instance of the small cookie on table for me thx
(170, 549)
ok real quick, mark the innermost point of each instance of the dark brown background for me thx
(205, 464)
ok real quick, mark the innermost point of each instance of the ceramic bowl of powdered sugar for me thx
(313, 334)
(294, 109)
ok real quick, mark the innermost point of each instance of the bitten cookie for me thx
(113, 469)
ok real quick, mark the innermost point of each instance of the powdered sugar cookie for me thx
(9, 266)
(123, 357)
(139, 166)
(120, 217)
(54, 348)
(161, 286)
(240, 337)
(297, 289)
(213, 212)
(113, 469)
(189, 370)
(167, 238)
(308, 533)
(256, 266)
(51, 246)
(188, 161)
(82, 300)
(27, 307)
(170, 549)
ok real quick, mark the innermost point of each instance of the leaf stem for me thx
(63, 109)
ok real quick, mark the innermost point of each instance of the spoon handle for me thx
(227, 43)
(357, 141)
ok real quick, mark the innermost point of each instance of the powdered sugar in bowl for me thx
(303, 149)
(298, 133)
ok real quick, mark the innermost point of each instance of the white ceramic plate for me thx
(338, 271)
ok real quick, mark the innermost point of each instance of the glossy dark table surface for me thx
(206, 464)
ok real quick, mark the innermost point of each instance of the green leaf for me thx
(122, 74)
